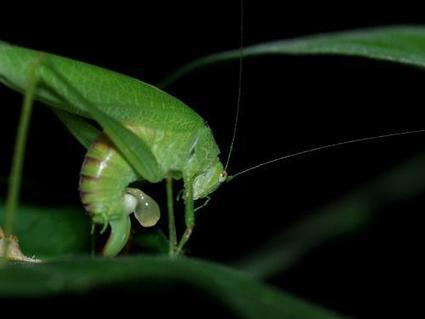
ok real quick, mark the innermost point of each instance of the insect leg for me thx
(205, 204)
(171, 221)
(189, 215)
(19, 153)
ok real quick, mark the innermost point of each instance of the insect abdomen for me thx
(104, 178)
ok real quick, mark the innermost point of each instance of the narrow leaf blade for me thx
(399, 44)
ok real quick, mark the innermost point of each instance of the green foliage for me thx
(77, 91)
(399, 44)
(243, 295)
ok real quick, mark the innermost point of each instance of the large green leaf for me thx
(242, 295)
(401, 44)
(48, 232)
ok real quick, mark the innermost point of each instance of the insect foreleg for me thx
(205, 204)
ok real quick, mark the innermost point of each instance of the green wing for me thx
(77, 89)
(132, 147)
(123, 98)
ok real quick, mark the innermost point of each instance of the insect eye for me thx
(222, 177)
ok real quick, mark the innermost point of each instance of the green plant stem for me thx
(18, 158)
(172, 235)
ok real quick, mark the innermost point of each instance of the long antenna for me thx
(238, 102)
(319, 148)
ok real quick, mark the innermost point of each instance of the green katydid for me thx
(147, 135)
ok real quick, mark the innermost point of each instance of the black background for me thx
(288, 104)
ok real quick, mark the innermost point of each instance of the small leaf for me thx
(400, 44)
